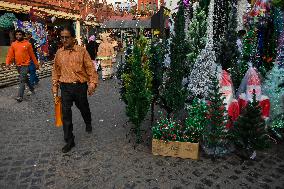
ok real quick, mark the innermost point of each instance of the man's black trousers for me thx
(74, 92)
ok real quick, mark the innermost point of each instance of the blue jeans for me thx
(33, 77)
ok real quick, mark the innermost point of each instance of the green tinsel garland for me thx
(6, 20)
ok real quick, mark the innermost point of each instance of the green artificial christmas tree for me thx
(220, 22)
(196, 121)
(229, 54)
(249, 131)
(157, 53)
(138, 86)
(271, 87)
(196, 36)
(249, 51)
(123, 70)
(215, 138)
(173, 94)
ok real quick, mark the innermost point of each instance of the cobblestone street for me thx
(31, 154)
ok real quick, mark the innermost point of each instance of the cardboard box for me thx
(175, 149)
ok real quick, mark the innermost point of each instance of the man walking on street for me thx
(21, 52)
(74, 72)
(32, 68)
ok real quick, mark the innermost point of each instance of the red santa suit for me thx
(253, 84)
(232, 105)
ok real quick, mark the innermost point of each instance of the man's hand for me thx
(91, 88)
(55, 98)
(37, 66)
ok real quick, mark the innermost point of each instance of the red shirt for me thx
(22, 53)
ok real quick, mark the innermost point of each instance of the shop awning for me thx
(19, 8)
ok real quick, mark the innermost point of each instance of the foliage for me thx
(173, 94)
(138, 86)
(215, 136)
(196, 120)
(168, 129)
(196, 36)
(249, 131)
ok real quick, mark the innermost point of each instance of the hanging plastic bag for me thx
(58, 112)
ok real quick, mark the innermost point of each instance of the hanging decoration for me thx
(7, 20)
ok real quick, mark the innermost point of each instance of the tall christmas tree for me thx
(138, 86)
(242, 10)
(249, 131)
(173, 94)
(229, 53)
(196, 36)
(157, 54)
(124, 68)
(249, 51)
(204, 5)
(199, 79)
(215, 137)
(220, 22)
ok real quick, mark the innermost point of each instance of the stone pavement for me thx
(30, 152)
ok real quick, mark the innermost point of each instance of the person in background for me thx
(74, 72)
(21, 51)
(32, 68)
(91, 47)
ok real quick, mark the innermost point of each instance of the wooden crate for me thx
(175, 149)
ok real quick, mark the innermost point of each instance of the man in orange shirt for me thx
(73, 70)
(21, 52)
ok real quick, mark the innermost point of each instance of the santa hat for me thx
(226, 87)
(253, 83)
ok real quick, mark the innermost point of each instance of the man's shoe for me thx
(30, 93)
(89, 129)
(19, 99)
(68, 147)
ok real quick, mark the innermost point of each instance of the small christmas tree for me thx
(215, 138)
(138, 86)
(173, 94)
(249, 130)
(196, 121)
(196, 36)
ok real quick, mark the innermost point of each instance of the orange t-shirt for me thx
(22, 53)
